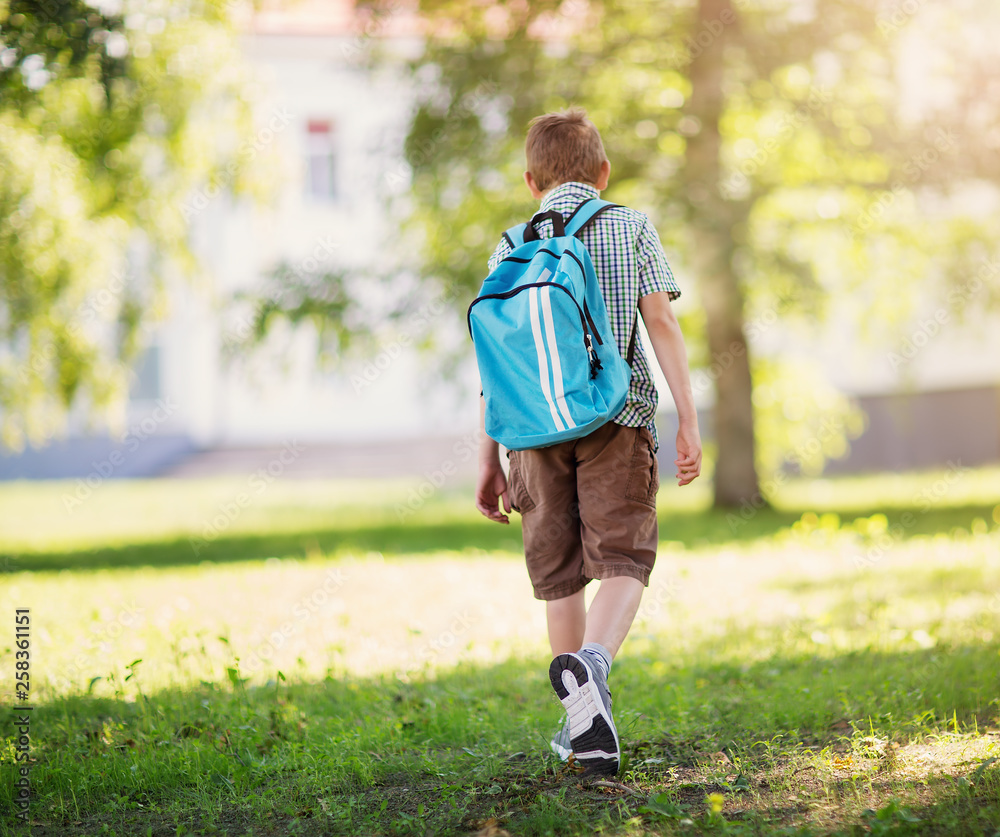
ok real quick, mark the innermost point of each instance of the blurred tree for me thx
(112, 117)
(758, 135)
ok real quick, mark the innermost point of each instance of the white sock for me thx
(600, 655)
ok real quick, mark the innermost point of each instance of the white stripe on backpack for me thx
(557, 378)
(543, 364)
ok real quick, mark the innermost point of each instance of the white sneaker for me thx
(583, 690)
(560, 742)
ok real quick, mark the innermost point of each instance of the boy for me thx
(588, 506)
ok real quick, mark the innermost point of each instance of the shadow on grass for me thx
(448, 753)
(412, 537)
(460, 534)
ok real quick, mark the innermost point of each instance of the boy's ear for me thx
(536, 193)
(602, 180)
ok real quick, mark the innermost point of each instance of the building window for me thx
(321, 160)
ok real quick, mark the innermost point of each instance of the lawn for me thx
(357, 658)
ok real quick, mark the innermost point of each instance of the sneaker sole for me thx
(591, 729)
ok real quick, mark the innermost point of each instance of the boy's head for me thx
(563, 147)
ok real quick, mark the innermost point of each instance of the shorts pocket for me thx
(644, 471)
(520, 499)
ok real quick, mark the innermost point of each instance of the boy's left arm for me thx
(668, 345)
(491, 483)
(499, 254)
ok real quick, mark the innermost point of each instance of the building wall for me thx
(926, 430)
(314, 81)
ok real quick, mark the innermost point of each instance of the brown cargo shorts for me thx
(588, 508)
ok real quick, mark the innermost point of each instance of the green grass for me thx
(329, 663)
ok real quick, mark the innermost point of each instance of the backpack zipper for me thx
(586, 310)
(595, 362)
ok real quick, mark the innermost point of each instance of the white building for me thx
(339, 128)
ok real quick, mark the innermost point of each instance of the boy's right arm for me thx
(668, 345)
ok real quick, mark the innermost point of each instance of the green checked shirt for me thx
(629, 261)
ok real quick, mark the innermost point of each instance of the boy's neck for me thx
(544, 195)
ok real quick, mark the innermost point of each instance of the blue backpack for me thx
(547, 357)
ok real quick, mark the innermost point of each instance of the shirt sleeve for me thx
(501, 253)
(654, 272)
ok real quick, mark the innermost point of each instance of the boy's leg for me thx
(617, 539)
(583, 646)
(597, 634)
(616, 483)
(612, 612)
(567, 621)
(617, 480)
(607, 623)
(542, 486)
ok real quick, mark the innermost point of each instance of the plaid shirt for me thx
(630, 264)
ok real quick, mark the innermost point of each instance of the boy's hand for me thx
(688, 459)
(491, 487)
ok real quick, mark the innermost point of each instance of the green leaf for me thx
(663, 805)
(977, 774)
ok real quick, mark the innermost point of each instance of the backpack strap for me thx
(558, 230)
(515, 236)
(522, 233)
(577, 222)
(630, 356)
(581, 218)
(585, 214)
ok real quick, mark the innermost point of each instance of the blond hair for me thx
(564, 146)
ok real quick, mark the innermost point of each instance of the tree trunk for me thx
(712, 221)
